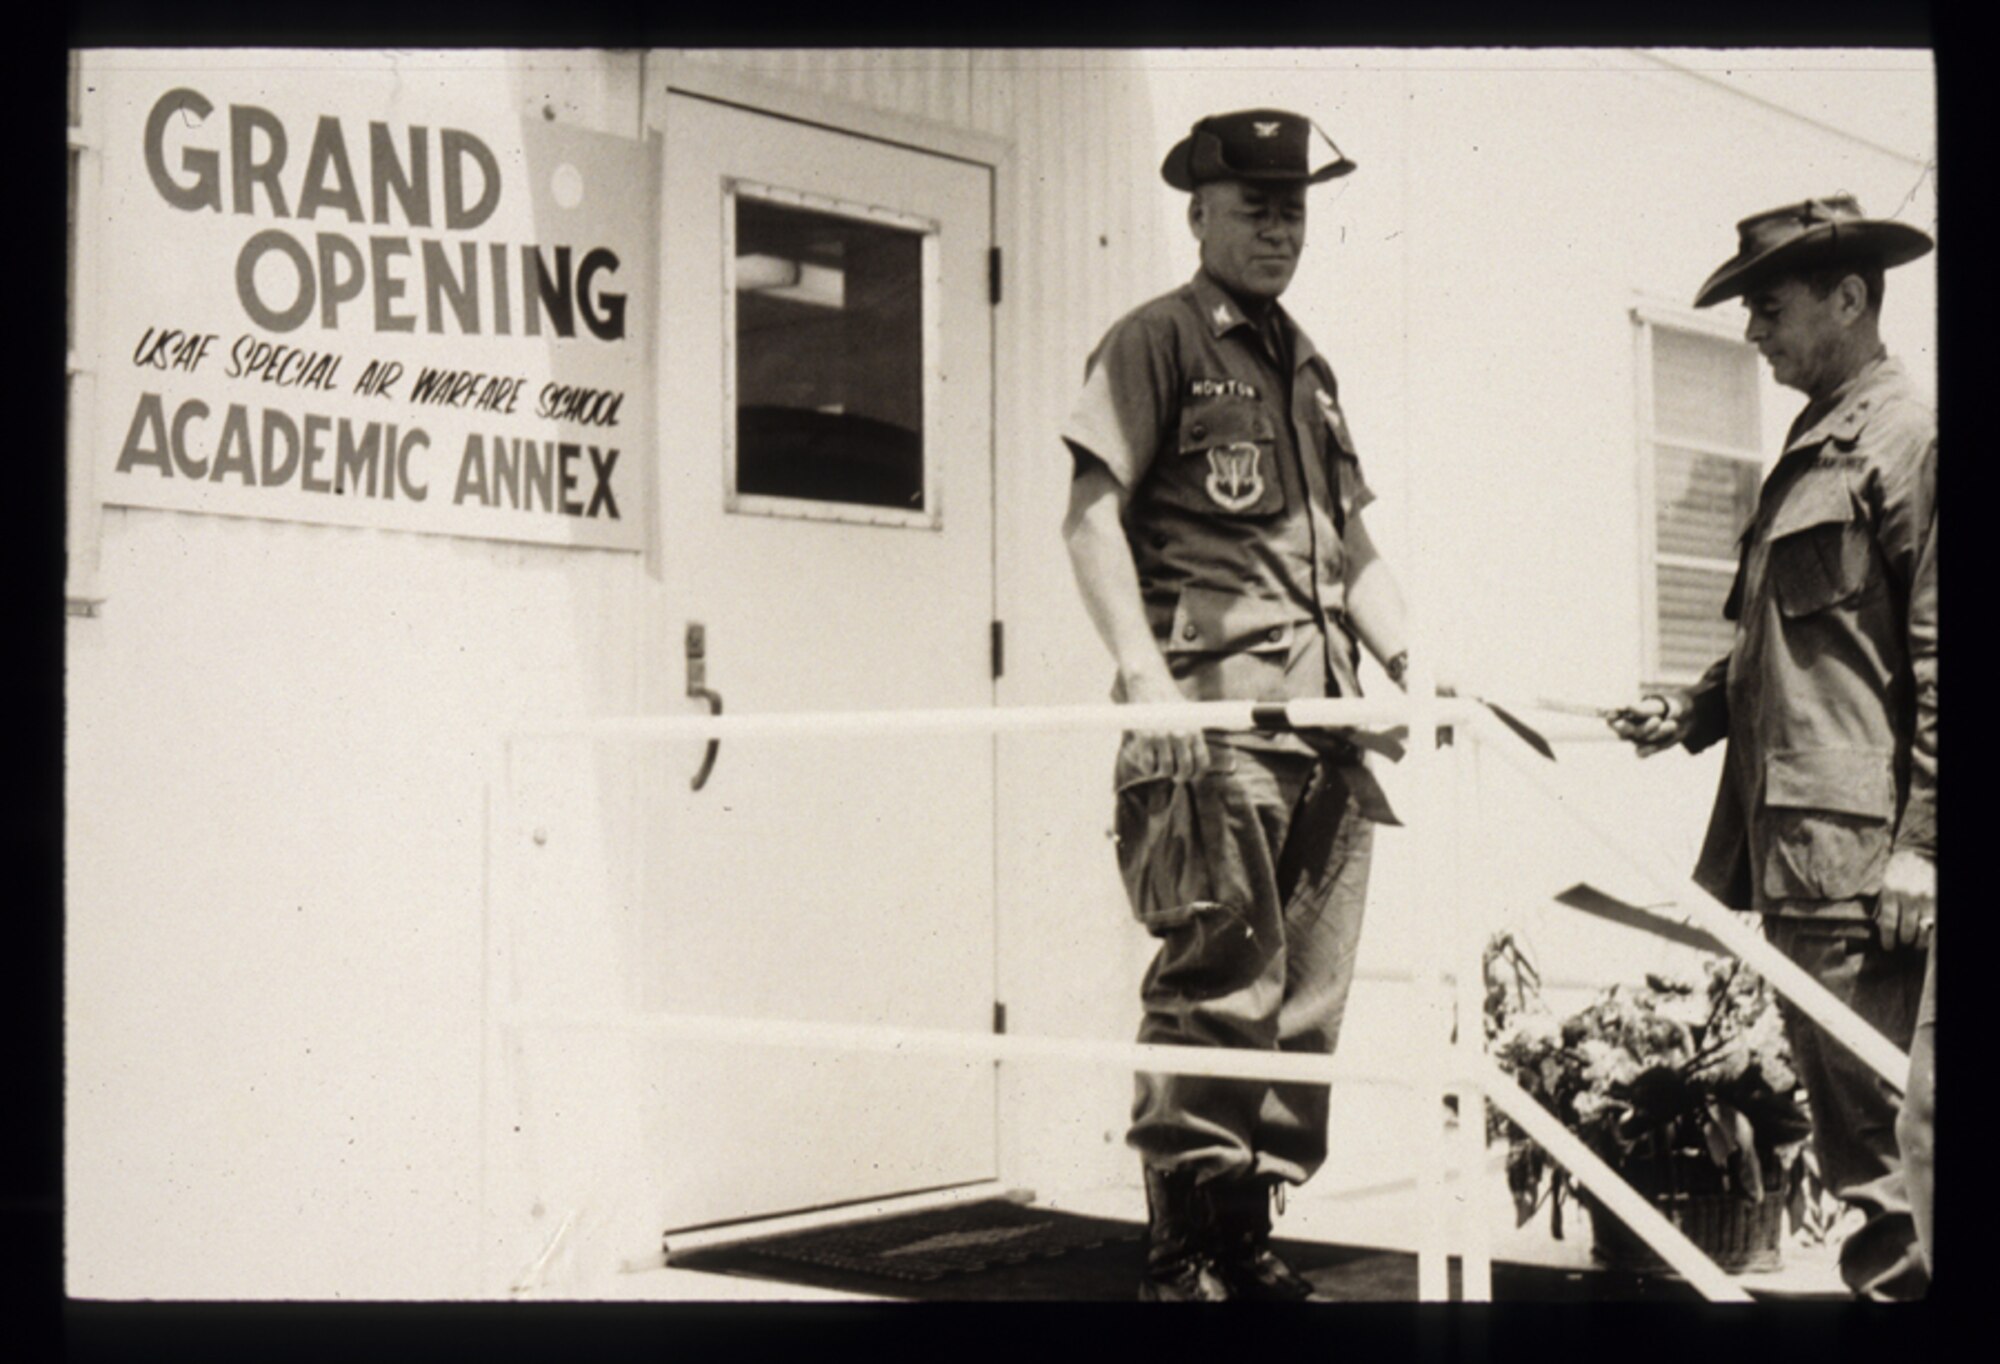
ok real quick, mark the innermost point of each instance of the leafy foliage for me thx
(1680, 1087)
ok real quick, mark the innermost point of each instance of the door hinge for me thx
(993, 274)
(999, 1018)
(999, 648)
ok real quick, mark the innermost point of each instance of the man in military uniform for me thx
(1826, 817)
(1216, 527)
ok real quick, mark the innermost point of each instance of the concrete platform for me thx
(1377, 1214)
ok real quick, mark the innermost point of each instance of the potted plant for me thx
(1687, 1090)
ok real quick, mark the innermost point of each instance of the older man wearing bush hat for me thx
(1216, 528)
(1826, 819)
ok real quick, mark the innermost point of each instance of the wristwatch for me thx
(1397, 666)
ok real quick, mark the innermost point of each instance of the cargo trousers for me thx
(1916, 1125)
(1854, 1111)
(1252, 876)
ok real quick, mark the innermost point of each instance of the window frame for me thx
(1649, 316)
(931, 279)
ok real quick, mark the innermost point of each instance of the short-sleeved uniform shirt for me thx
(1242, 476)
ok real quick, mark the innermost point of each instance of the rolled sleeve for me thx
(1351, 487)
(1128, 389)
(1354, 490)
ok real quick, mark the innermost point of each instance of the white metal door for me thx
(826, 467)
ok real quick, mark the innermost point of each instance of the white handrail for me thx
(1465, 1067)
(1222, 1062)
(1473, 1074)
(1608, 1185)
(1361, 712)
(1786, 976)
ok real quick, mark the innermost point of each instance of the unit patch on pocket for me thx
(1235, 475)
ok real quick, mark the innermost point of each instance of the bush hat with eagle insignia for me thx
(1807, 236)
(1251, 144)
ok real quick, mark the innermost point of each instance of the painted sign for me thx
(343, 295)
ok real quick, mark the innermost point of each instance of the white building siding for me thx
(930, 83)
(276, 776)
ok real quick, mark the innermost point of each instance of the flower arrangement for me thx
(1687, 1090)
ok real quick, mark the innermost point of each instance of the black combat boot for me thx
(1243, 1244)
(1179, 1265)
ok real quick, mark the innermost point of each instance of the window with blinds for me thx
(1701, 441)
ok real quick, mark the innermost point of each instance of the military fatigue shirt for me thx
(1829, 695)
(1242, 476)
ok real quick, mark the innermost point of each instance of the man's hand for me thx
(1655, 723)
(1906, 913)
(1180, 754)
(1094, 530)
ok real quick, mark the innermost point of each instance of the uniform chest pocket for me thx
(1821, 554)
(1226, 461)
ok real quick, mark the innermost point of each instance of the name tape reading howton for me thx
(355, 298)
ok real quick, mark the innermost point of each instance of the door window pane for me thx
(829, 357)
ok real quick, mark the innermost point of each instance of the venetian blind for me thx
(1706, 472)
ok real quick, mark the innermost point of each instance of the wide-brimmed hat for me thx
(1251, 144)
(1807, 236)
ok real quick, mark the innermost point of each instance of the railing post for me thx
(1470, 924)
(1451, 869)
(1610, 1187)
(1429, 827)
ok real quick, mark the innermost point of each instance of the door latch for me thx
(697, 687)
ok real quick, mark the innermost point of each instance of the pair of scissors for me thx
(1648, 708)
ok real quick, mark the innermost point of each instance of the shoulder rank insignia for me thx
(1334, 420)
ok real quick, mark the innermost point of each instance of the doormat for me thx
(930, 1245)
(1000, 1251)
